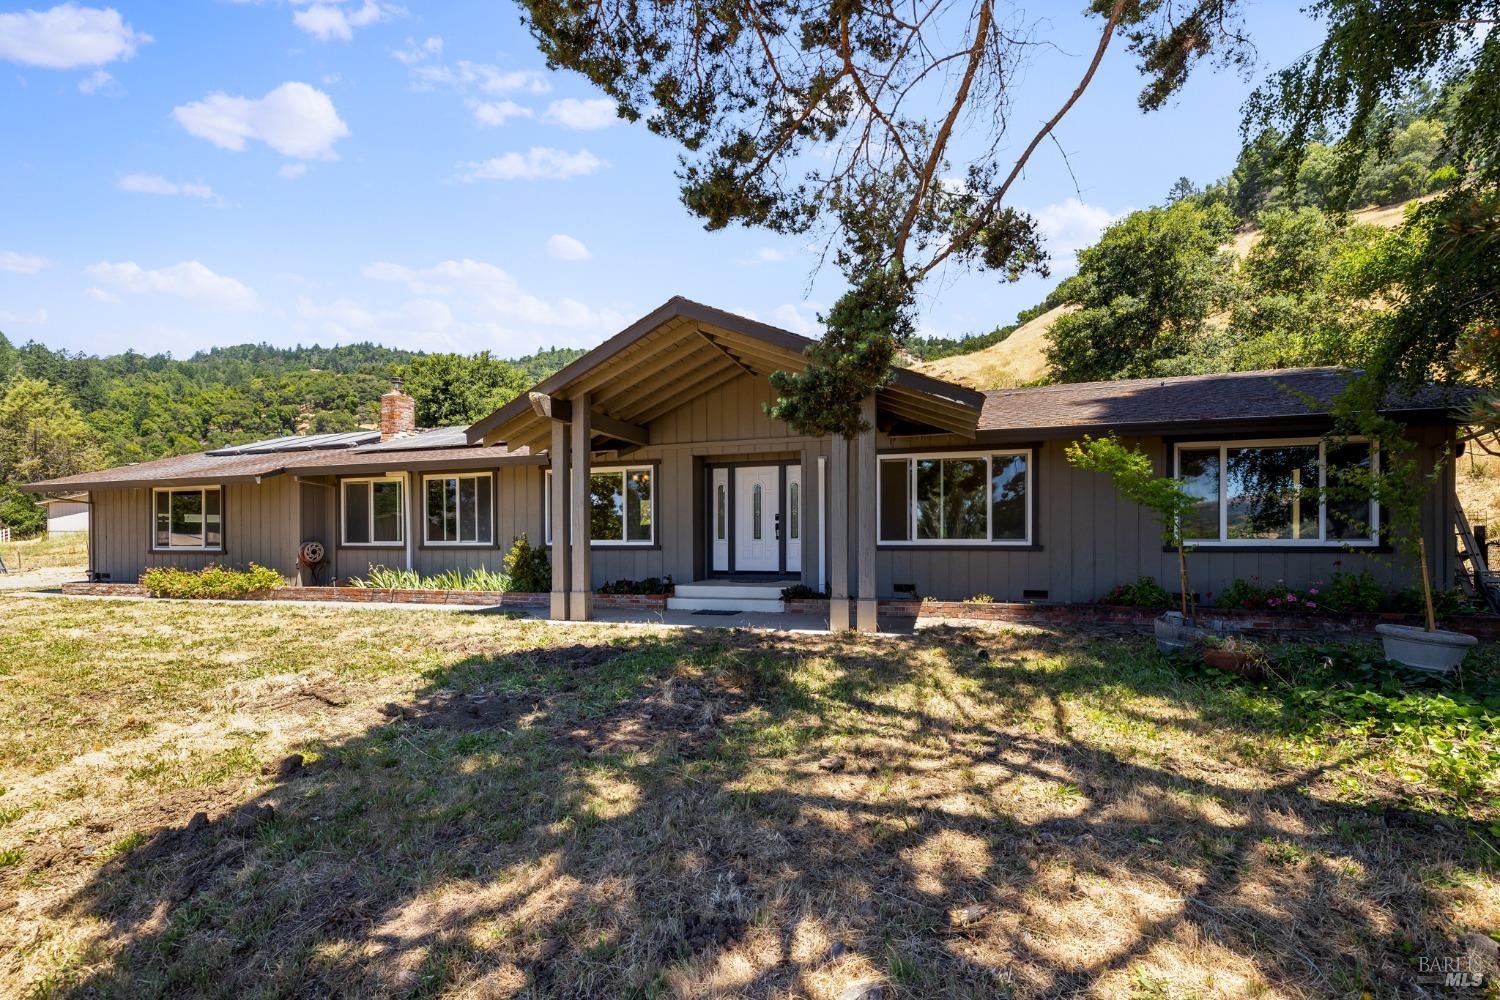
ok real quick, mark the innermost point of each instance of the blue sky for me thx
(184, 174)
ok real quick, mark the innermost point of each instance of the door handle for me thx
(778, 525)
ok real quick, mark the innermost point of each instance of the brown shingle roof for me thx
(1283, 394)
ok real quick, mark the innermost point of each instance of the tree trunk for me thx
(1426, 584)
(1182, 579)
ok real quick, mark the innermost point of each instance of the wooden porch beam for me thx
(609, 427)
(550, 408)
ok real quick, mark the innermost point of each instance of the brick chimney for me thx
(398, 413)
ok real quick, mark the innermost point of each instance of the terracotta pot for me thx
(1232, 661)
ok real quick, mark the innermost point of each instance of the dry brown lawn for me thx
(489, 807)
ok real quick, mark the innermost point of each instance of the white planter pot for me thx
(1175, 634)
(1441, 652)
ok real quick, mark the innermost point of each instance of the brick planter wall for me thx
(1484, 626)
(630, 602)
(374, 595)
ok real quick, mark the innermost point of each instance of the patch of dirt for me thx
(688, 713)
(466, 713)
(578, 656)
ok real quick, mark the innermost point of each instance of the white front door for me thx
(793, 518)
(757, 502)
(718, 516)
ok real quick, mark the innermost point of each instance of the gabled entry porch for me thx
(664, 462)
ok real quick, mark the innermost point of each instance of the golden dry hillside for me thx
(1017, 359)
(1021, 357)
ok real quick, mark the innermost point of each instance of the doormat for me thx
(714, 611)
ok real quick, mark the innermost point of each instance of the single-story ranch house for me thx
(653, 455)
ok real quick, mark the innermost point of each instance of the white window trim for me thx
(605, 543)
(1322, 541)
(205, 490)
(426, 524)
(344, 542)
(988, 541)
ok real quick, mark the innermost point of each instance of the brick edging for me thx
(375, 595)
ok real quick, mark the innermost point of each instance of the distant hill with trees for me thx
(66, 412)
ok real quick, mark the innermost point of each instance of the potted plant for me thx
(1234, 655)
(1135, 479)
(1397, 483)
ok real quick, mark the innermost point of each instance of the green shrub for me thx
(650, 585)
(382, 578)
(21, 513)
(210, 581)
(529, 569)
(1445, 603)
(979, 599)
(1352, 592)
(1145, 592)
(801, 592)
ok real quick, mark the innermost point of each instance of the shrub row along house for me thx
(653, 456)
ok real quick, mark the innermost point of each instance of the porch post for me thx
(580, 594)
(812, 516)
(838, 537)
(559, 515)
(867, 605)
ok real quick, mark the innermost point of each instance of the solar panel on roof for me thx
(300, 442)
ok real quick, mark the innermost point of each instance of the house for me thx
(657, 448)
(67, 514)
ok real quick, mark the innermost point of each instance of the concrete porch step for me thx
(732, 589)
(762, 604)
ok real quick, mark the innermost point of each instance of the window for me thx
(721, 505)
(755, 513)
(458, 510)
(794, 511)
(976, 499)
(621, 510)
(373, 512)
(190, 518)
(1276, 492)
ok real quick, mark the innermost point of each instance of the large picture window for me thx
(190, 518)
(459, 509)
(967, 499)
(373, 512)
(621, 506)
(1277, 492)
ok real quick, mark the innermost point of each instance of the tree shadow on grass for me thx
(739, 814)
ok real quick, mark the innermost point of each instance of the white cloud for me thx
(766, 255)
(570, 112)
(493, 295)
(99, 82)
(481, 78)
(294, 119)
(157, 184)
(416, 51)
(325, 21)
(188, 280)
(798, 319)
(560, 246)
(67, 36)
(291, 171)
(537, 163)
(1071, 225)
(38, 318)
(100, 295)
(492, 113)
(22, 263)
